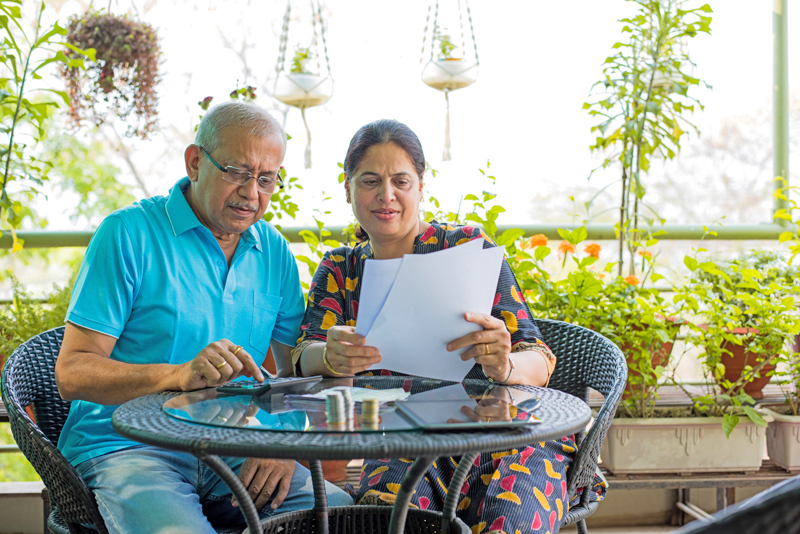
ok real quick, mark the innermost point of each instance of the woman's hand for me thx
(347, 353)
(492, 346)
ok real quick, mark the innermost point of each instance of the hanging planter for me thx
(304, 82)
(446, 69)
(123, 78)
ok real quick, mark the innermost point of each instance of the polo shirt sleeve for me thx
(104, 291)
(287, 325)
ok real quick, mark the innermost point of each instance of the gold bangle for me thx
(328, 364)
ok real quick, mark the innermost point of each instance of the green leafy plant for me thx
(123, 76)
(26, 107)
(27, 317)
(749, 302)
(642, 102)
(301, 59)
(444, 43)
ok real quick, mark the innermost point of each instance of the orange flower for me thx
(645, 254)
(632, 280)
(539, 240)
(566, 247)
(592, 250)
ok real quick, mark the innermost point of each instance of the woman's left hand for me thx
(492, 346)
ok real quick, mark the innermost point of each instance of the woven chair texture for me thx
(773, 511)
(29, 379)
(586, 360)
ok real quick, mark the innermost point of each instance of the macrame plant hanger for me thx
(306, 83)
(443, 71)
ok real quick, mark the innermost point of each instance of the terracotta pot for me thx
(659, 357)
(734, 365)
(332, 470)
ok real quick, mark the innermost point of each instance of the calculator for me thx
(254, 387)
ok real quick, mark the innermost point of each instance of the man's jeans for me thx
(152, 490)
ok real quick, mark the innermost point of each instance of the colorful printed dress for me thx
(514, 491)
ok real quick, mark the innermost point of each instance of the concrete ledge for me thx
(22, 508)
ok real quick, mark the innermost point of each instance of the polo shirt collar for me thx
(182, 218)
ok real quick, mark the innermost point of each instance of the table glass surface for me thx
(438, 401)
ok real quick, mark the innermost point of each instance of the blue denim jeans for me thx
(153, 490)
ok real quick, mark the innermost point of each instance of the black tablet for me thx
(472, 413)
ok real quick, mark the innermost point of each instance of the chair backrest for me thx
(586, 360)
(29, 380)
(772, 511)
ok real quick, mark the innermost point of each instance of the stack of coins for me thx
(334, 407)
(349, 405)
(369, 413)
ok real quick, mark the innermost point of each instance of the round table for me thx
(143, 420)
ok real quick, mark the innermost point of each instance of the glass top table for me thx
(144, 420)
(428, 403)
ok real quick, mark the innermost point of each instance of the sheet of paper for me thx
(377, 280)
(425, 310)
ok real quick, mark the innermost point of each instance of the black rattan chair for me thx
(586, 360)
(773, 511)
(29, 380)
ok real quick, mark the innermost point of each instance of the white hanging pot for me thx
(450, 74)
(302, 90)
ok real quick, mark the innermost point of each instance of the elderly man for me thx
(184, 292)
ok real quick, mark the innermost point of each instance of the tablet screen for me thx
(467, 413)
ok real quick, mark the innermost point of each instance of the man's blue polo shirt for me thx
(157, 280)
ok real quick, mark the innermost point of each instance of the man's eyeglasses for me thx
(234, 175)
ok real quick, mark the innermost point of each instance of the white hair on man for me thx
(254, 119)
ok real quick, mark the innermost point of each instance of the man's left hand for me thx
(492, 345)
(265, 477)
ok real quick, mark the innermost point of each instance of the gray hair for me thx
(236, 114)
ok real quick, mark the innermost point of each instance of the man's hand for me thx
(262, 477)
(217, 364)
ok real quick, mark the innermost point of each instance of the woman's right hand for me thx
(347, 353)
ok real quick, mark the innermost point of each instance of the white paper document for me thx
(413, 317)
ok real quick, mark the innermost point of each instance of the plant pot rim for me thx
(777, 417)
(740, 330)
(681, 421)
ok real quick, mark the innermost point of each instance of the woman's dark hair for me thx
(381, 132)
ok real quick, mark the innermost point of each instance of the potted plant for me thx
(303, 86)
(124, 75)
(746, 311)
(783, 432)
(447, 72)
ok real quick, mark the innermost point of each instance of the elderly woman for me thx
(506, 491)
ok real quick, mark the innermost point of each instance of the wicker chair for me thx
(772, 511)
(29, 379)
(586, 360)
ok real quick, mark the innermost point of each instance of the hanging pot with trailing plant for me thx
(122, 81)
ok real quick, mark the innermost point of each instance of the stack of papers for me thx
(410, 308)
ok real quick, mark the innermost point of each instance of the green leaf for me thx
(785, 236)
(541, 253)
(754, 416)
(579, 235)
(690, 262)
(566, 235)
(729, 422)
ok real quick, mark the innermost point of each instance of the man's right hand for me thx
(217, 364)
(347, 353)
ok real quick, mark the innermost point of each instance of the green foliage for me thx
(751, 302)
(25, 110)
(300, 61)
(27, 317)
(13, 466)
(444, 43)
(123, 75)
(86, 169)
(642, 100)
